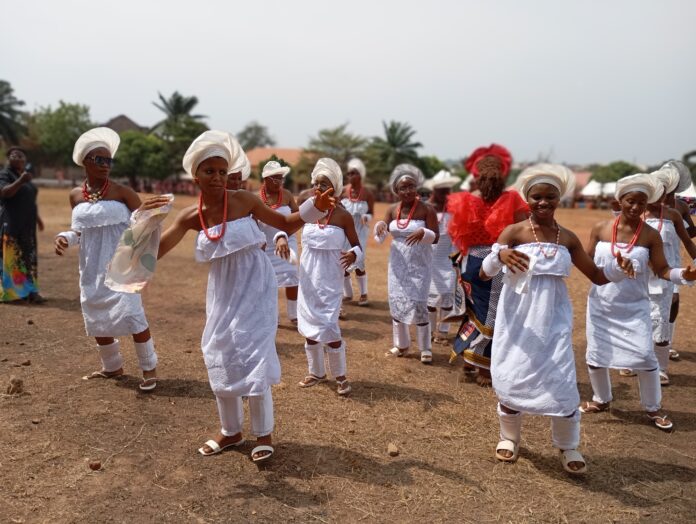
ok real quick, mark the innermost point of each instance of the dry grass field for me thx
(331, 462)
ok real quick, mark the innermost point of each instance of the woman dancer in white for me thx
(444, 278)
(101, 211)
(241, 303)
(279, 245)
(619, 329)
(413, 226)
(322, 264)
(533, 366)
(669, 224)
(359, 202)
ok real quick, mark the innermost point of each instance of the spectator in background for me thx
(19, 218)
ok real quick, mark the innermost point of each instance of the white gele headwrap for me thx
(246, 168)
(684, 174)
(93, 139)
(641, 182)
(331, 170)
(443, 179)
(668, 178)
(214, 144)
(357, 165)
(274, 168)
(557, 175)
(405, 171)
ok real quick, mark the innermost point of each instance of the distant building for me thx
(260, 154)
(122, 123)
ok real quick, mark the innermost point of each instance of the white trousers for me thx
(565, 431)
(648, 386)
(231, 410)
(316, 363)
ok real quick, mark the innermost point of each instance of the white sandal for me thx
(426, 357)
(396, 352)
(507, 445)
(259, 449)
(311, 380)
(573, 455)
(343, 387)
(216, 447)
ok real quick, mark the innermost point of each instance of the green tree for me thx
(431, 165)
(55, 131)
(397, 147)
(337, 143)
(142, 155)
(11, 128)
(613, 171)
(177, 108)
(255, 135)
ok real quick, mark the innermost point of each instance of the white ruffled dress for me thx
(661, 291)
(241, 311)
(286, 273)
(533, 366)
(107, 313)
(619, 329)
(444, 278)
(358, 210)
(408, 275)
(321, 283)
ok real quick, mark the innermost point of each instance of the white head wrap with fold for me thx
(274, 168)
(214, 144)
(331, 170)
(246, 168)
(92, 139)
(668, 177)
(405, 171)
(557, 175)
(357, 165)
(684, 174)
(641, 182)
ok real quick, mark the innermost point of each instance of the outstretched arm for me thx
(291, 223)
(586, 265)
(174, 233)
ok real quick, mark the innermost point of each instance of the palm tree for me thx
(177, 108)
(11, 128)
(337, 143)
(397, 146)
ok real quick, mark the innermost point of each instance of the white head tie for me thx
(641, 182)
(332, 171)
(93, 139)
(214, 144)
(405, 171)
(274, 168)
(556, 175)
(357, 165)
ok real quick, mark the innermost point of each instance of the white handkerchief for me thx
(520, 281)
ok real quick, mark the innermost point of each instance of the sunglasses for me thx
(101, 160)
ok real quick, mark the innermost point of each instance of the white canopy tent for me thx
(609, 189)
(592, 189)
(690, 192)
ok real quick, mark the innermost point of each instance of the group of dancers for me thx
(510, 263)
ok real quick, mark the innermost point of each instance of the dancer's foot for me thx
(220, 443)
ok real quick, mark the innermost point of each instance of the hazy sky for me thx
(581, 80)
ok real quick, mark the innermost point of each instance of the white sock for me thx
(147, 358)
(337, 360)
(444, 326)
(231, 413)
(110, 356)
(432, 316)
(601, 384)
(261, 414)
(565, 431)
(292, 309)
(423, 337)
(315, 359)
(347, 287)
(662, 354)
(650, 389)
(510, 426)
(402, 338)
(362, 283)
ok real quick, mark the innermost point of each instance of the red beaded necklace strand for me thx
(356, 199)
(633, 241)
(95, 196)
(400, 223)
(541, 248)
(212, 238)
(328, 219)
(264, 197)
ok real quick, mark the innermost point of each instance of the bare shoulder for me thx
(673, 214)
(75, 196)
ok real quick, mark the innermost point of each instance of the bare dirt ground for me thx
(331, 462)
